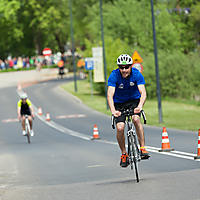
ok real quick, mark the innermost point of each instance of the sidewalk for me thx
(9, 79)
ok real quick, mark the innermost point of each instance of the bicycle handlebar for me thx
(26, 117)
(128, 112)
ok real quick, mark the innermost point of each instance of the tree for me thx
(11, 30)
(195, 24)
(48, 20)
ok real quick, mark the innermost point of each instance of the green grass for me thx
(25, 69)
(179, 114)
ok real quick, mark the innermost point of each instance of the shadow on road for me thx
(128, 181)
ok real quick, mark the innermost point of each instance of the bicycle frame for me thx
(132, 139)
(27, 129)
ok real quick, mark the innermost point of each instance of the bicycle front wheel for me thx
(136, 170)
(28, 138)
(133, 156)
(28, 132)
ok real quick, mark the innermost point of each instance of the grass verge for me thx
(176, 114)
(25, 69)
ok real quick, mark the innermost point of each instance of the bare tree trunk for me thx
(60, 44)
(38, 43)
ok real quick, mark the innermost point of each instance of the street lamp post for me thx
(72, 41)
(104, 55)
(157, 68)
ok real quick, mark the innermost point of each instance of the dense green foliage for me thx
(29, 26)
(179, 75)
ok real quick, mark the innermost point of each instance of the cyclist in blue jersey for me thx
(126, 89)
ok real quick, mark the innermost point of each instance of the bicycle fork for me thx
(133, 150)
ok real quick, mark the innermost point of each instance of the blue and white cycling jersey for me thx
(126, 89)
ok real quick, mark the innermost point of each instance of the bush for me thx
(178, 75)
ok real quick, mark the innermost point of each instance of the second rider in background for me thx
(24, 107)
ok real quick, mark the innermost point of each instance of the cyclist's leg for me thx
(124, 160)
(23, 122)
(31, 125)
(140, 133)
(120, 124)
(120, 136)
(23, 125)
(30, 121)
(139, 130)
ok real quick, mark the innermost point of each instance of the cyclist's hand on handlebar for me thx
(137, 110)
(33, 115)
(116, 113)
(19, 117)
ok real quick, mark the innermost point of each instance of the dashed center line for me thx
(93, 166)
(9, 120)
(70, 116)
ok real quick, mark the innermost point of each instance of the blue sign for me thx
(89, 63)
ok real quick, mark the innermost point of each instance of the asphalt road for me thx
(63, 163)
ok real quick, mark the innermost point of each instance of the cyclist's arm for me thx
(19, 110)
(143, 97)
(110, 94)
(30, 107)
(32, 111)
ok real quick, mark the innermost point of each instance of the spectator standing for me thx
(10, 63)
(15, 63)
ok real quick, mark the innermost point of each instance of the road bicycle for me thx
(133, 144)
(27, 129)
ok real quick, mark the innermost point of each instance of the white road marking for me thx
(4, 186)
(70, 116)
(65, 130)
(62, 128)
(176, 152)
(93, 166)
(171, 154)
(10, 120)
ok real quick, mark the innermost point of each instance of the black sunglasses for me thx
(124, 66)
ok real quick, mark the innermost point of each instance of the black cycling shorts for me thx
(26, 112)
(127, 105)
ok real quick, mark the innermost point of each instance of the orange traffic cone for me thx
(198, 148)
(39, 111)
(165, 142)
(95, 133)
(48, 117)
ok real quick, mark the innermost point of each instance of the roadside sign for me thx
(46, 52)
(97, 54)
(138, 66)
(136, 57)
(89, 63)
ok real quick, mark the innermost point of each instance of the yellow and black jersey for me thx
(25, 107)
